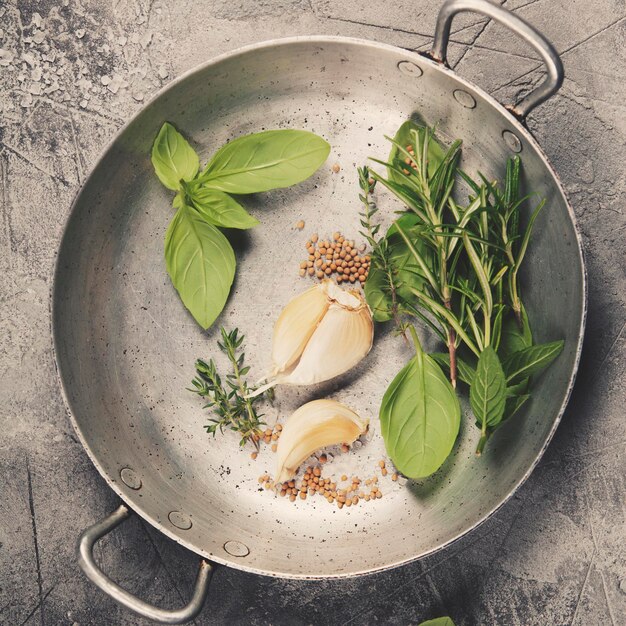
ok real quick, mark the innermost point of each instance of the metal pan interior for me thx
(125, 345)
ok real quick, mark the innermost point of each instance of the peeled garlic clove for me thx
(314, 425)
(295, 325)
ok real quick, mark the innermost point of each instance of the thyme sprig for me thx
(380, 249)
(229, 397)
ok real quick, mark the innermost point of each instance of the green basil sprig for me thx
(199, 258)
(420, 416)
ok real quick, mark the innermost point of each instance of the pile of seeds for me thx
(269, 435)
(343, 492)
(337, 257)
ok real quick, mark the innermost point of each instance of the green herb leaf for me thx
(488, 389)
(268, 160)
(420, 416)
(514, 404)
(513, 339)
(465, 372)
(405, 272)
(438, 621)
(378, 294)
(404, 137)
(524, 363)
(408, 273)
(220, 209)
(201, 264)
(173, 158)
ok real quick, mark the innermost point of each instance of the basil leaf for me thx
(420, 417)
(404, 136)
(173, 158)
(524, 363)
(179, 200)
(514, 404)
(406, 273)
(268, 160)
(220, 209)
(517, 389)
(488, 389)
(201, 264)
(378, 294)
(438, 621)
(464, 372)
(512, 339)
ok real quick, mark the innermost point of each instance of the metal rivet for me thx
(408, 67)
(130, 478)
(512, 140)
(180, 520)
(464, 99)
(236, 548)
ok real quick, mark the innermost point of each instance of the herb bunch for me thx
(467, 258)
(199, 258)
(229, 396)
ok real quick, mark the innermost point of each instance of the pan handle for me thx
(550, 56)
(98, 577)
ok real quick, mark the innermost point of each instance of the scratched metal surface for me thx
(71, 76)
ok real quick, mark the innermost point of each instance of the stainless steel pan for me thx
(125, 345)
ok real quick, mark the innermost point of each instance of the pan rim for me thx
(133, 504)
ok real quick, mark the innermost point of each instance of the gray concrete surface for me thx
(71, 73)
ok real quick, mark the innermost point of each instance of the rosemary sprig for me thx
(229, 397)
(426, 191)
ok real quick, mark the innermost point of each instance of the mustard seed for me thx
(300, 225)
(314, 237)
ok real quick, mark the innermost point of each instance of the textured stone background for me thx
(71, 73)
